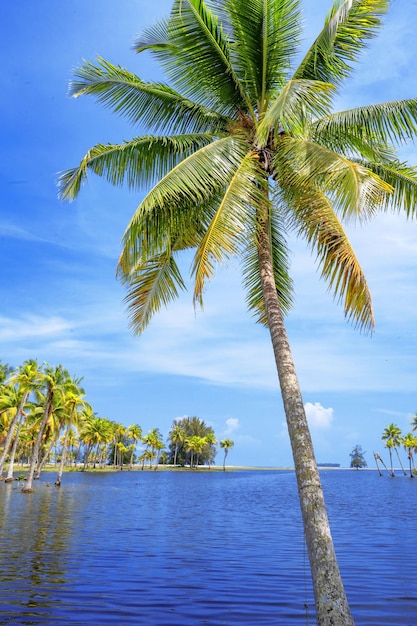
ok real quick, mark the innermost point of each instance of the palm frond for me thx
(348, 28)
(357, 191)
(266, 34)
(154, 39)
(138, 162)
(280, 261)
(153, 105)
(389, 122)
(403, 180)
(299, 100)
(195, 180)
(314, 219)
(150, 287)
(223, 236)
(198, 59)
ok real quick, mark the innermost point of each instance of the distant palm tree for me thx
(392, 437)
(177, 436)
(195, 445)
(211, 441)
(24, 380)
(226, 444)
(56, 381)
(73, 401)
(134, 433)
(409, 442)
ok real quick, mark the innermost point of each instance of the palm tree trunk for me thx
(63, 455)
(330, 598)
(376, 461)
(36, 448)
(12, 430)
(43, 460)
(9, 477)
(400, 462)
(224, 459)
(392, 466)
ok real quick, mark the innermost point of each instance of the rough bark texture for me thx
(330, 598)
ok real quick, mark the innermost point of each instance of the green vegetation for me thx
(226, 444)
(394, 439)
(44, 418)
(246, 149)
(357, 458)
(192, 442)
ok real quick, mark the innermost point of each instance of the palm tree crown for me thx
(250, 138)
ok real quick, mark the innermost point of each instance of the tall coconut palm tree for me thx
(73, 402)
(177, 436)
(392, 438)
(56, 381)
(409, 442)
(95, 431)
(25, 379)
(226, 444)
(134, 433)
(248, 149)
(210, 442)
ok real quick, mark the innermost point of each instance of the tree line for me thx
(395, 440)
(44, 415)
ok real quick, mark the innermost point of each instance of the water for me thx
(201, 548)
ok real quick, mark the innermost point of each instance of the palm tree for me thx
(24, 380)
(249, 149)
(56, 380)
(409, 442)
(95, 432)
(177, 436)
(73, 402)
(226, 444)
(134, 432)
(211, 441)
(154, 443)
(392, 437)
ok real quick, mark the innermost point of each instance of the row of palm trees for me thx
(44, 412)
(394, 439)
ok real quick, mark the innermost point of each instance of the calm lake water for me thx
(209, 548)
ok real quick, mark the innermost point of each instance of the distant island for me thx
(328, 464)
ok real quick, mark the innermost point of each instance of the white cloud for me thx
(318, 416)
(232, 425)
(31, 326)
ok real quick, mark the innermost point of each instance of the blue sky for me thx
(61, 303)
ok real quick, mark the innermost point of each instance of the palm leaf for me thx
(357, 191)
(315, 220)
(154, 284)
(138, 162)
(280, 262)
(348, 28)
(265, 35)
(154, 39)
(223, 236)
(195, 181)
(389, 122)
(198, 58)
(403, 180)
(299, 100)
(154, 105)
